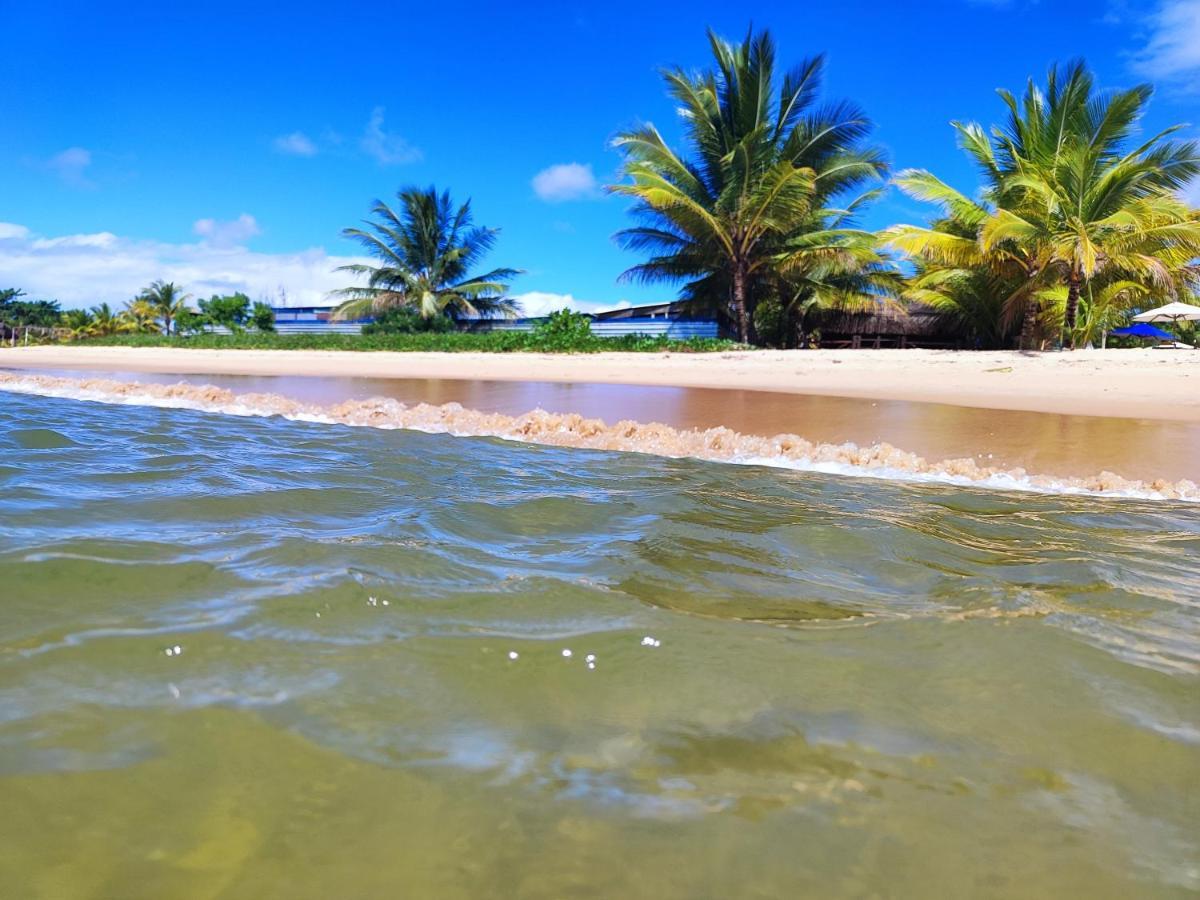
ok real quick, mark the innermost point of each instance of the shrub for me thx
(769, 321)
(262, 317)
(449, 342)
(565, 329)
(232, 311)
(404, 320)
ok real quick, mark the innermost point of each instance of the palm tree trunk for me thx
(1073, 284)
(1027, 324)
(167, 324)
(739, 302)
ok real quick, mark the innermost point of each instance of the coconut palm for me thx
(1066, 203)
(1068, 213)
(166, 300)
(986, 292)
(756, 197)
(140, 316)
(427, 248)
(105, 321)
(1077, 192)
(78, 322)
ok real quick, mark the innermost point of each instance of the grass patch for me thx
(453, 342)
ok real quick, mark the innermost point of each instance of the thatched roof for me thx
(916, 321)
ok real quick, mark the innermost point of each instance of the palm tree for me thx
(1079, 194)
(78, 321)
(105, 321)
(427, 249)
(1065, 204)
(755, 200)
(140, 316)
(166, 300)
(986, 292)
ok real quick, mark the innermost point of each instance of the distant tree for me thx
(231, 311)
(105, 321)
(167, 300)
(262, 317)
(404, 320)
(189, 321)
(140, 316)
(78, 322)
(18, 313)
(427, 250)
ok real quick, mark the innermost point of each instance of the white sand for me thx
(1163, 384)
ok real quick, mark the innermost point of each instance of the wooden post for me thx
(856, 342)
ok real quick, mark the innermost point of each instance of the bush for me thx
(262, 317)
(565, 330)
(18, 313)
(405, 320)
(231, 311)
(769, 321)
(448, 342)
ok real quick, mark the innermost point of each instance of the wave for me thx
(787, 451)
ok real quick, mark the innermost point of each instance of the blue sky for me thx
(227, 147)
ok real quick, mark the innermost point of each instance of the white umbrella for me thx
(1172, 312)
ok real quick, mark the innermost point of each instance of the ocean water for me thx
(246, 657)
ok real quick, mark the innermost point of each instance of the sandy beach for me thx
(1161, 384)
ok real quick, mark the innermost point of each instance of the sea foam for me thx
(788, 451)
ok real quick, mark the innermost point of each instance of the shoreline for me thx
(881, 460)
(1155, 384)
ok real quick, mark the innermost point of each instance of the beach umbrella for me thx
(1172, 312)
(1143, 330)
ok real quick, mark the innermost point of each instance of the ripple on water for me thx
(384, 615)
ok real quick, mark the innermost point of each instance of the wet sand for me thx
(1142, 384)
(1041, 443)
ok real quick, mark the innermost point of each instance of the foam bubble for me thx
(788, 451)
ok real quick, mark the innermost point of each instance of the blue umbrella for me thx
(1143, 330)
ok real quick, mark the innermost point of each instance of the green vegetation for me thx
(562, 332)
(232, 311)
(165, 301)
(427, 250)
(452, 342)
(761, 211)
(405, 320)
(1075, 225)
(18, 313)
(262, 317)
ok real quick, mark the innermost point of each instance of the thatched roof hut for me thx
(917, 326)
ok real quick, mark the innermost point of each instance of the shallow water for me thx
(1046, 443)
(243, 657)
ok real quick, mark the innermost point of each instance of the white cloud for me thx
(542, 303)
(1172, 51)
(295, 144)
(227, 234)
(565, 181)
(1191, 193)
(386, 148)
(85, 269)
(70, 166)
(11, 232)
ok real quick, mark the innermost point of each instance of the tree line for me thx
(161, 308)
(1076, 220)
